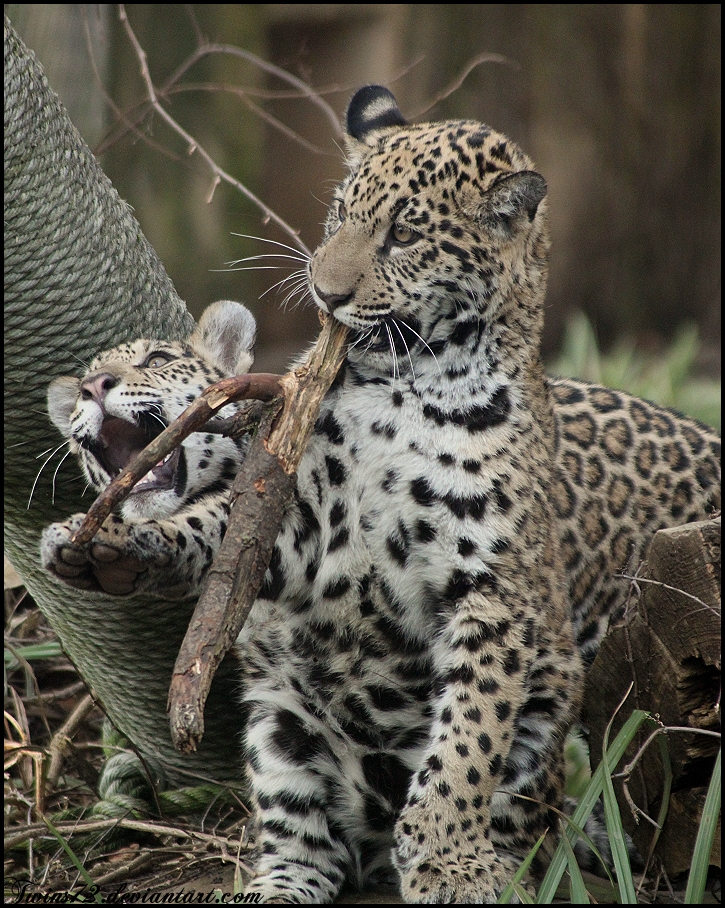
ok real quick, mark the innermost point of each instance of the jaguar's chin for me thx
(393, 334)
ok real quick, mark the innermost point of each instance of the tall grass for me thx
(668, 378)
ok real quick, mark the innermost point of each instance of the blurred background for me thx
(619, 105)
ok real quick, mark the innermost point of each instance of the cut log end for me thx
(670, 648)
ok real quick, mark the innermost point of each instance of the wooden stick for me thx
(262, 491)
(253, 386)
(304, 390)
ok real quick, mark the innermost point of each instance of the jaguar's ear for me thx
(225, 334)
(513, 200)
(372, 108)
(62, 398)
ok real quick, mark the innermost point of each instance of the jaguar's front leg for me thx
(166, 558)
(295, 778)
(444, 851)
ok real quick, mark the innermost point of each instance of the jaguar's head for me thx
(438, 227)
(131, 393)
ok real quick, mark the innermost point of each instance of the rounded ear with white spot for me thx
(225, 334)
(512, 201)
(62, 399)
(372, 108)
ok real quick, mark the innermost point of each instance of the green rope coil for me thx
(80, 277)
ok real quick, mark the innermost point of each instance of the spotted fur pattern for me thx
(411, 665)
(172, 524)
(448, 564)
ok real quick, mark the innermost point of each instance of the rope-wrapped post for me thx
(81, 277)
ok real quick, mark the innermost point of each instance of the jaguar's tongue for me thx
(121, 441)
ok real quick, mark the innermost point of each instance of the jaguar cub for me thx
(413, 661)
(172, 524)
(447, 565)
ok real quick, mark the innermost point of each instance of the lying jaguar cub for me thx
(173, 522)
(415, 656)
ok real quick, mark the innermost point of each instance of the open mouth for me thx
(120, 441)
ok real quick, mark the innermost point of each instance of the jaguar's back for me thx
(625, 468)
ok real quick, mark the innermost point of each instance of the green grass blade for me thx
(669, 377)
(705, 837)
(505, 896)
(577, 889)
(76, 861)
(666, 792)
(579, 833)
(615, 832)
(616, 751)
(31, 652)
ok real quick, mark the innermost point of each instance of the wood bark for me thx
(262, 491)
(669, 645)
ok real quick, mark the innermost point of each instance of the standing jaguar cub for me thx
(411, 666)
(172, 524)
(447, 565)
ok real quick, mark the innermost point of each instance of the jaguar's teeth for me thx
(151, 475)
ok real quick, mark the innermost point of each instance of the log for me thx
(669, 646)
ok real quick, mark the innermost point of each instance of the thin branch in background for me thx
(336, 88)
(302, 90)
(244, 95)
(460, 79)
(139, 110)
(218, 173)
(305, 90)
(131, 123)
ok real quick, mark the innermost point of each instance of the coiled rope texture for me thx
(80, 277)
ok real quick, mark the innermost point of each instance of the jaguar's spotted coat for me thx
(411, 667)
(415, 656)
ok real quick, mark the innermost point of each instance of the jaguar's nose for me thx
(96, 387)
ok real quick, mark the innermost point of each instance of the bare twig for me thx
(40, 830)
(261, 493)
(243, 94)
(257, 386)
(217, 171)
(662, 730)
(461, 77)
(305, 90)
(672, 589)
(62, 738)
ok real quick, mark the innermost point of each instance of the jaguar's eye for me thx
(156, 360)
(402, 235)
(338, 213)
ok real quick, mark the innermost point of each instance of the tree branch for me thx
(262, 491)
(255, 386)
(219, 173)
